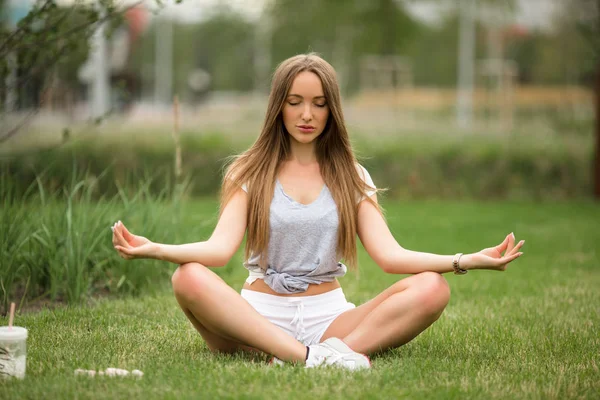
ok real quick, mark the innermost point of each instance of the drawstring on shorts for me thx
(298, 320)
(304, 318)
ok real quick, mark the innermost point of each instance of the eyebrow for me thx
(297, 95)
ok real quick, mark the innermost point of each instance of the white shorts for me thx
(305, 318)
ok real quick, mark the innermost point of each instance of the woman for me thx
(302, 199)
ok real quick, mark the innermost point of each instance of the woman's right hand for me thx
(131, 246)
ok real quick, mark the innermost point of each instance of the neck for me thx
(303, 153)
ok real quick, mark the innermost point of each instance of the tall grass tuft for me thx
(57, 245)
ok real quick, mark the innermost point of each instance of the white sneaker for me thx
(276, 362)
(334, 352)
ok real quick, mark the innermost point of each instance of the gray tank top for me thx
(302, 242)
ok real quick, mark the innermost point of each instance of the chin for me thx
(304, 138)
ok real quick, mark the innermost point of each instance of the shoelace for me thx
(330, 359)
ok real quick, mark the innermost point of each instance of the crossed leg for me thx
(395, 316)
(225, 320)
(228, 323)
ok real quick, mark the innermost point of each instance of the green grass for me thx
(53, 244)
(531, 332)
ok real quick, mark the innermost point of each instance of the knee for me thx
(187, 278)
(433, 293)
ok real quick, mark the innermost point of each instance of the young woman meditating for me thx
(302, 199)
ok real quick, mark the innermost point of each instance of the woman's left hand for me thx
(493, 257)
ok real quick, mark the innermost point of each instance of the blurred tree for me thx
(525, 51)
(221, 45)
(341, 31)
(46, 38)
(224, 47)
(434, 50)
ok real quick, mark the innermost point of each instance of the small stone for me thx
(137, 373)
(91, 373)
(121, 372)
(80, 371)
(110, 372)
(101, 373)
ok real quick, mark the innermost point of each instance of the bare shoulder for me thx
(231, 175)
(366, 177)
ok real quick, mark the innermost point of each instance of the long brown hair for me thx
(258, 166)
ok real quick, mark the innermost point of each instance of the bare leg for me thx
(395, 316)
(225, 320)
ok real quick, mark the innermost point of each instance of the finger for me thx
(502, 246)
(506, 260)
(120, 250)
(516, 248)
(120, 239)
(125, 253)
(115, 239)
(511, 243)
(118, 228)
(125, 232)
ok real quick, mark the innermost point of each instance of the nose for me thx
(306, 114)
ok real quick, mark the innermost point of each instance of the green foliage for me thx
(230, 69)
(56, 244)
(376, 27)
(45, 49)
(479, 167)
(130, 162)
(411, 166)
(47, 36)
(203, 45)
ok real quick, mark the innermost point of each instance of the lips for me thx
(306, 128)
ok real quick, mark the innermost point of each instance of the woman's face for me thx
(305, 111)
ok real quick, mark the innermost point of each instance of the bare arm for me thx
(214, 252)
(394, 259)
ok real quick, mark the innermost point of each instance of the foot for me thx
(334, 352)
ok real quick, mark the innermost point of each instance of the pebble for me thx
(137, 373)
(109, 372)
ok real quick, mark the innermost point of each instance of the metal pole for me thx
(262, 53)
(100, 82)
(466, 55)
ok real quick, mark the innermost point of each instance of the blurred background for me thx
(443, 98)
(128, 110)
(430, 78)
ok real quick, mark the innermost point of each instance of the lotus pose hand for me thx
(131, 246)
(492, 257)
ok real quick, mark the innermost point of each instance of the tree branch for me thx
(5, 49)
(20, 28)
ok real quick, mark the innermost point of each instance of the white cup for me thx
(13, 352)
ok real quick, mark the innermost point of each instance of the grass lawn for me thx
(531, 332)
